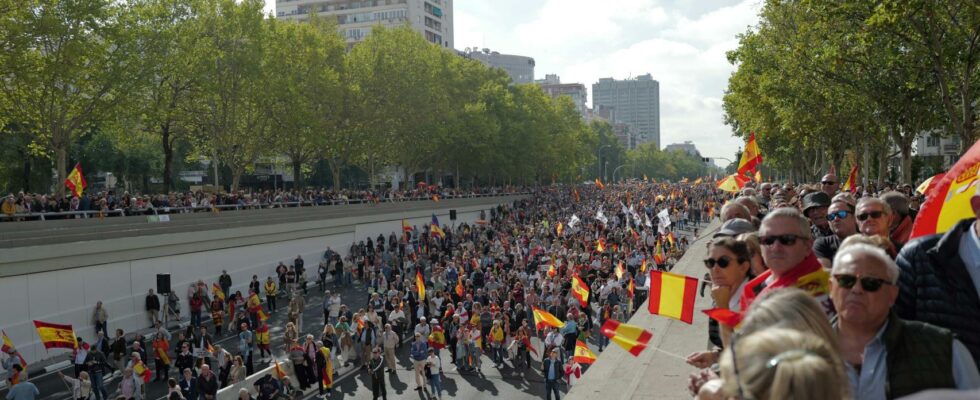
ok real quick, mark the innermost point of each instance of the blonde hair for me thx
(788, 308)
(783, 363)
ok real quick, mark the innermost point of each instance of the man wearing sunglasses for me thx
(829, 184)
(874, 217)
(786, 248)
(940, 279)
(886, 356)
(842, 222)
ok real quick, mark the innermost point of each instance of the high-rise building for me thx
(636, 102)
(355, 18)
(519, 68)
(551, 84)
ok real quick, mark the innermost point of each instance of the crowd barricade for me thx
(231, 392)
(43, 216)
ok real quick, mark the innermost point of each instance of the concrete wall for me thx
(68, 295)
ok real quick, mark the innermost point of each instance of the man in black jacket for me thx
(207, 384)
(940, 280)
(376, 367)
(152, 307)
(552, 371)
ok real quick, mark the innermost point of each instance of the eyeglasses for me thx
(828, 183)
(722, 262)
(785, 240)
(869, 284)
(838, 215)
(872, 214)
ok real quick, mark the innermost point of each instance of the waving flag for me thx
(631, 288)
(141, 370)
(55, 336)
(559, 228)
(725, 317)
(600, 245)
(420, 284)
(326, 375)
(436, 230)
(580, 290)
(217, 291)
(437, 339)
(852, 178)
(76, 181)
(620, 270)
(582, 353)
(459, 287)
(280, 373)
(658, 254)
(6, 346)
(672, 295)
(543, 318)
(405, 226)
(599, 184)
(262, 315)
(552, 271)
(630, 337)
(948, 202)
(254, 304)
(751, 157)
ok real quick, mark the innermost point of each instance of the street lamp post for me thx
(602, 171)
(617, 170)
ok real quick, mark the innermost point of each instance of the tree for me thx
(68, 65)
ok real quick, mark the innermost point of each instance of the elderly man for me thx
(901, 226)
(941, 278)
(786, 248)
(734, 210)
(874, 217)
(842, 222)
(815, 206)
(829, 184)
(886, 356)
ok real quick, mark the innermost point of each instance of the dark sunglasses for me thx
(785, 240)
(868, 284)
(838, 215)
(828, 183)
(722, 262)
(872, 214)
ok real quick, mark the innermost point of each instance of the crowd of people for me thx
(18, 207)
(827, 298)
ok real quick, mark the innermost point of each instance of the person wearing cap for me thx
(815, 205)
(840, 215)
(734, 227)
(829, 184)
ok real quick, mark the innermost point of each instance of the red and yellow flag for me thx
(254, 304)
(7, 345)
(543, 318)
(577, 197)
(55, 336)
(658, 254)
(280, 373)
(217, 291)
(420, 284)
(631, 288)
(948, 202)
(405, 226)
(758, 179)
(600, 245)
(437, 339)
(552, 271)
(141, 370)
(161, 347)
(672, 239)
(327, 372)
(851, 182)
(620, 270)
(459, 287)
(630, 337)
(672, 295)
(582, 353)
(262, 315)
(559, 228)
(76, 181)
(580, 290)
(599, 184)
(751, 157)
(724, 316)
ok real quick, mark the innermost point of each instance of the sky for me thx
(682, 43)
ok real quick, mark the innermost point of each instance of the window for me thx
(932, 141)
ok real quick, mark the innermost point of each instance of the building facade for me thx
(519, 68)
(552, 86)
(636, 102)
(939, 153)
(433, 19)
(687, 147)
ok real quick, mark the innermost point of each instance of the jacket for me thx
(920, 357)
(559, 369)
(935, 287)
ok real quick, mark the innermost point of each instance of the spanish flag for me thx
(280, 373)
(437, 339)
(420, 284)
(672, 239)
(543, 318)
(672, 295)
(459, 287)
(620, 270)
(140, 369)
(948, 202)
(254, 304)
(405, 226)
(326, 375)
(599, 184)
(76, 181)
(161, 347)
(436, 230)
(55, 336)
(631, 338)
(751, 157)
(8, 347)
(631, 288)
(552, 271)
(851, 182)
(582, 353)
(577, 197)
(559, 228)
(527, 342)
(217, 291)
(600, 245)
(580, 290)
(262, 314)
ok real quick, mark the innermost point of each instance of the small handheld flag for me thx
(76, 181)
(672, 295)
(582, 353)
(420, 284)
(543, 318)
(631, 338)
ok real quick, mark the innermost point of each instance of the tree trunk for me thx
(882, 167)
(297, 175)
(168, 158)
(61, 161)
(334, 172)
(236, 177)
(26, 175)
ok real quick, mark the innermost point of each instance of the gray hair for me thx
(861, 249)
(791, 213)
(887, 209)
(898, 201)
(741, 209)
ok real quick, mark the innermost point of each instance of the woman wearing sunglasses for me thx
(729, 266)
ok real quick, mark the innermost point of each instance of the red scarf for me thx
(789, 279)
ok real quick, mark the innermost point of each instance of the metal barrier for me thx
(223, 207)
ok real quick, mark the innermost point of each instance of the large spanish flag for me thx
(948, 201)
(76, 181)
(580, 290)
(630, 337)
(55, 336)
(751, 157)
(672, 295)
(544, 318)
(582, 353)
(326, 374)
(217, 291)
(420, 284)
